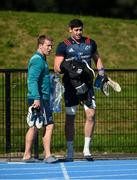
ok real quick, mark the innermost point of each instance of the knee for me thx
(49, 127)
(91, 117)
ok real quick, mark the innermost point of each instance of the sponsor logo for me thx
(71, 50)
(87, 47)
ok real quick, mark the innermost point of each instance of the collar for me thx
(75, 41)
(43, 57)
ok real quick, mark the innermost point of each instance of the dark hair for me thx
(41, 39)
(75, 23)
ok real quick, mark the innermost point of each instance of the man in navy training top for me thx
(73, 56)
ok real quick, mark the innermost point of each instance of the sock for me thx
(86, 150)
(70, 150)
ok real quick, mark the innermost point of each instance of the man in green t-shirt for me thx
(38, 98)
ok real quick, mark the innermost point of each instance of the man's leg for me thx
(69, 131)
(30, 136)
(47, 134)
(88, 130)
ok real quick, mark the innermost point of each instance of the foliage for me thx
(116, 38)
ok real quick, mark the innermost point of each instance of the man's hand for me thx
(99, 81)
(36, 104)
(103, 83)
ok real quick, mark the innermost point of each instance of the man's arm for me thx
(102, 81)
(34, 71)
(57, 62)
(98, 63)
(98, 84)
(59, 57)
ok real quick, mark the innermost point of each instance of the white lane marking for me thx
(64, 171)
(29, 173)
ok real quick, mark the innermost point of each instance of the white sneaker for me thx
(30, 120)
(115, 86)
(39, 123)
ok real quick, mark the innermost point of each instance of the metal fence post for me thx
(8, 117)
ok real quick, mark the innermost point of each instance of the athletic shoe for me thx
(115, 86)
(50, 159)
(30, 120)
(88, 158)
(66, 160)
(40, 120)
(35, 117)
(30, 160)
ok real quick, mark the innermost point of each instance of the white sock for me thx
(70, 150)
(86, 150)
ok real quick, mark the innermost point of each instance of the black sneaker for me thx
(88, 158)
(66, 160)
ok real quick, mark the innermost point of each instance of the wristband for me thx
(101, 71)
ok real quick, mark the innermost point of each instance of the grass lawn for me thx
(116, 38)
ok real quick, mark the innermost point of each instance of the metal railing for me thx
(116, 117)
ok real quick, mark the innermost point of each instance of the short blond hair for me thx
(41, 39)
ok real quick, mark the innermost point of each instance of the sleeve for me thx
(34, 71)
(61, 49)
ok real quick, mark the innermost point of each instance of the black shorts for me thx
(71, 99)
(45, 107)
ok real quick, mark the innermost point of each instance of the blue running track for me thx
(98, 169)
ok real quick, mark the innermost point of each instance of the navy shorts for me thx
(71, 99)
(45, 108)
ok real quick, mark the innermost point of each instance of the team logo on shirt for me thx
(71, 50)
